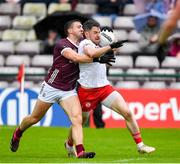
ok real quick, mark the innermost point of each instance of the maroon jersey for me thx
(64, 73)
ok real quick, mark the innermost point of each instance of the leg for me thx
(39, 111)
(119, 105)
(85, 117)
(72, 107)
(69, 142)
(69, 145)
(97, 117)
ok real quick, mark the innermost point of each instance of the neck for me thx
(74, 39)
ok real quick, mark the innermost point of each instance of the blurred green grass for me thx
(46, 145)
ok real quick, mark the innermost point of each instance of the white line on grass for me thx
(128, 160)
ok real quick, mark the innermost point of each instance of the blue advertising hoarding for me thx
(11, 112)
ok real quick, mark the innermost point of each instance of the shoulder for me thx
(64, 43)
(86, 42)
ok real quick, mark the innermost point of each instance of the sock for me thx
(79, 149)
(139, 145)
(70, 142)
(18, 133)
(137, 137)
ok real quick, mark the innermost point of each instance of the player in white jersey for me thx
(89, 72)
(95, 88)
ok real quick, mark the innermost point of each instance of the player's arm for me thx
(98, 52)
(95, 52)
(75, 57)
(170, 24)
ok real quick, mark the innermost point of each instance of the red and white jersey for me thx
(92, 75)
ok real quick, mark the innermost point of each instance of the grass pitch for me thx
(46, 145)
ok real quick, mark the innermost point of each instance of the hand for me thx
(154, 39)
(117, 44)
(107, 58)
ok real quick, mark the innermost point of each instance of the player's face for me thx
(94, 35)
(77, 30)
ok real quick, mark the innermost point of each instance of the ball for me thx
(107, 37)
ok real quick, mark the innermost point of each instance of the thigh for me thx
(71, 106)
(40, 108)
(116, 102)
(88, 99)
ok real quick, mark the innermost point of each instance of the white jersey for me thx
(92, 75)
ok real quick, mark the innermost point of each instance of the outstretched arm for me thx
(170, 24)
(75, 57)
(97, 52)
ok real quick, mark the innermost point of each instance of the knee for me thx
(128, 115)
(77, 120)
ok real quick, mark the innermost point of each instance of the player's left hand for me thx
(117, 44)
(108, 58)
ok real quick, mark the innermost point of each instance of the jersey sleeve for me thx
(83, 44)
(62, 46)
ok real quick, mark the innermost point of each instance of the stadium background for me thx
(19, 44)
(152, 92)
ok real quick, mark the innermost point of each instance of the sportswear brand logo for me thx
(12, 111)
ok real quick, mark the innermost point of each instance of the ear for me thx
(69, 30)
(86, 34)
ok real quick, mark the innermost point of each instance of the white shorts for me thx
(51, 95)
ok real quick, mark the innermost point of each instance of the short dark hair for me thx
(89, 24)
(69, 24)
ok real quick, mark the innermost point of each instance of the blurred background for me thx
(150, 83)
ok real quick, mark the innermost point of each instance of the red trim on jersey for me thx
(90, 98)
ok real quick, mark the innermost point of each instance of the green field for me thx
(46, 145)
